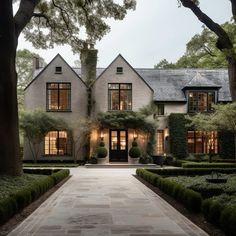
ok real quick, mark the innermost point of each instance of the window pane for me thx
(53, 99)
(160, 109)
(113, 86)
(125, 86)
(160, 142)
(114, 140)
(114, 100)
(125, 100)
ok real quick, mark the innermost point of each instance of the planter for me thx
(102, 160)
(134, 160)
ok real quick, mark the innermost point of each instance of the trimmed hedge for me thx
(221, 211)
(227, 144)
(189, 198)
(17, 201)
(208, 165)
(191, 171)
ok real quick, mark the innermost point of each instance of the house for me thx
(60, 90)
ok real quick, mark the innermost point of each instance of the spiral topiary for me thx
(134, 151)
(101, 150)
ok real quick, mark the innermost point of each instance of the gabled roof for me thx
(39, 71)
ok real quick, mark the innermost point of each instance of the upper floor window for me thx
(120, 97)
(200, 101)
(57, 143)
(58, 96)
(119, 70)
(58, 70)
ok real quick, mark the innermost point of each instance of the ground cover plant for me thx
(18, 192)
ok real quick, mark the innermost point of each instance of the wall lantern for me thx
(101, 135)
(135, 135)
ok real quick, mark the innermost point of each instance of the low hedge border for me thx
(208, 165)
(20, 199)
(189, 198)
(221, 211)
(191, 171)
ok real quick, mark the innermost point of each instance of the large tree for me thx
(224, 43)
(54, 22)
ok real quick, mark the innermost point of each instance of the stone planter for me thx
(102, 160)
(134, 160)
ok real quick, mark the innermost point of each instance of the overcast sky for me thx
(157, 29)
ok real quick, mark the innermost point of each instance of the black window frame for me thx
(69, 143)
(119, 70)
(58, 95)
(207, 92)
(119, 92)
(58, 70)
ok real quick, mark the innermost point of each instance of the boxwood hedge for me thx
(208, 165)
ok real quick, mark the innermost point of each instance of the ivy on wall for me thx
(177, 134)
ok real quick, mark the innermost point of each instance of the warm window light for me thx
(102, 135)
(135, 135)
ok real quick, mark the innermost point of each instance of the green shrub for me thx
(60, 175)
(134, 144)
(101, 152)
(8, 207)
(208, 165)
(134, 152)
(102, 144)
(145, 159)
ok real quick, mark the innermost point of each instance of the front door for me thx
(118, 145)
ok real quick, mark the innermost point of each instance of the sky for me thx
(157, 29)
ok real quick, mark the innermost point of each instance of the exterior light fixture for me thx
(101, 135)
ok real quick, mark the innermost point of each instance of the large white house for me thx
(59, 89)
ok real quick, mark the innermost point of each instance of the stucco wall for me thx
(35, 98)
(141, 93)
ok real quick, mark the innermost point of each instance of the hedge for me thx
(189, 198)
(17, 201)
(191, 171)
(221, 211)
(227, 144)
(208, 165)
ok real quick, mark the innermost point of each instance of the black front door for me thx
(118, 145)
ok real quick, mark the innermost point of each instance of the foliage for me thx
(146, 159)
(36, 125)
(101, 150)
(129, 120)
(134, 152)
(189, 198)
(24, 68)
(199, 184)
(227, 145)
(73, 22)
(177, 134)
(208, 165)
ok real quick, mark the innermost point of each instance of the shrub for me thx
(101, 150)
(60, 175)
(145, 159)
(208, 165)
(134, 152)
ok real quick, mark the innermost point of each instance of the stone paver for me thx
(102, 202)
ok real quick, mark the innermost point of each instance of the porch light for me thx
(102, 135)
(135, 135)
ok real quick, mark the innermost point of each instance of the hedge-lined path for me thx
(102, 202)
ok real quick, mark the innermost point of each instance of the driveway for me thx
(102, 202)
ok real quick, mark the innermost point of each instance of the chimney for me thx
(36, 63)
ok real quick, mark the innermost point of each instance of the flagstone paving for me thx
(102, 202)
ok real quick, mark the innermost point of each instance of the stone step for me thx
(121, 165)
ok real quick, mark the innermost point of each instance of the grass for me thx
(10, 185)
(67, 165)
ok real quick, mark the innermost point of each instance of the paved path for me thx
(102, 202)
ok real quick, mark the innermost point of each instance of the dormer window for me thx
(58, 70)
(119, 70)
(201, 101)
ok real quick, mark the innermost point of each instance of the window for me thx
(58, 96)
(160, 109)
(57, 143)
(202, 142)
(200, 101)
(160, 142)
(119, 97)
(119, 70)
(58, 70)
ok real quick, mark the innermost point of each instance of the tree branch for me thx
(233, 4)
(24, 14)
(223, 41)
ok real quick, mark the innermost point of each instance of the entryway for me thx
(118, 145)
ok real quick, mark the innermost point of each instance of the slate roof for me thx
(168, 84)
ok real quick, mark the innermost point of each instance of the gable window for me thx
(58, 96)
(119, 70)
(160, 109)
(202, 142)
(200, 101)
(58, 70)
(57, 143)
(120, 97)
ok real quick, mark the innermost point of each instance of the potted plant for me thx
(101, 153)
(134, 153)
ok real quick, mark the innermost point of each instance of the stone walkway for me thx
(102, 202)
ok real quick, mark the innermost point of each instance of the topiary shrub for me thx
(101, 150)
(134, 151)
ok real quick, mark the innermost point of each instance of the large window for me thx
(58, 96)
(160, 142)
(120, 97)
(200, 101)
(203, 142)
(57, 143)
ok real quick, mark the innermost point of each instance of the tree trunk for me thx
(10, 163)
(232, 77)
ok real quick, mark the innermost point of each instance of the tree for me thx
(223, 118)
(224, 42)
(62, 21)
(36, 125)
(24, 68)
